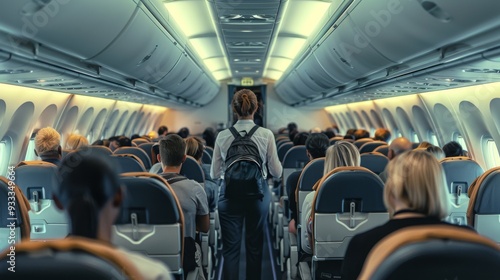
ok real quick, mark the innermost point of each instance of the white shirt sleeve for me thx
(216, 166)
(273, 161)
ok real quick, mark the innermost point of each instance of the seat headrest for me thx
(150, 200)
(20, 210)
(192, 170)
(296, 157)
(433, 252)
(311, 173)
(40, 177)
(79, 246)
(350, 184)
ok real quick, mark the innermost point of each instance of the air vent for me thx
(482, 71)
(15, 71)
(238, 18)
(247, 44)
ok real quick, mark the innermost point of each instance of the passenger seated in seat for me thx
(453, 149)
(191, 196)
(342, 153)
(90, 193)
(195, 148)
(316, 145)
(397, 147)
(382, 134)
(76, 141)
(48, 145)
(414, 194)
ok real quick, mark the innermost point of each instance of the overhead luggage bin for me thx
(314, 75)
(345, 59)
(77, 28)
(208, 94)
(146, 56)
(402, 30)
(181, 77)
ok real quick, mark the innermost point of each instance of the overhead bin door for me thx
(181, 77)
(401, 30)
(78, 28)
(211, 90)
(142, 51)
(314, 76)
(288, 93)
(344, 58)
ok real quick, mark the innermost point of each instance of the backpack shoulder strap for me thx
(173, 178)
(234, 132)
(252, 131)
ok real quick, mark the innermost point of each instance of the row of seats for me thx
(149, 213)
(460, 173)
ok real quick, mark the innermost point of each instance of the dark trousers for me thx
(232, 215)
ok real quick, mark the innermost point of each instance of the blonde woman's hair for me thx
(424, 145)
(76, 141)
(194, 147)
(416, 178)
(342, 153)
(436, 151)
(47, 140)
(244, 103)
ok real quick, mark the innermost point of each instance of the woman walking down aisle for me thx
(252, 211)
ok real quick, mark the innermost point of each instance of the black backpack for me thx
(243, 175)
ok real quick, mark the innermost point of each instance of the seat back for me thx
(483, 212)
(375, 162)
(97, 150)
(335, 139)
(460, 172)
(192, 170)
(70, 258)
(150, 220)
(311, 173)
(360, 142)
(14, 222)
(349, 200)
(38, 180)
(206, 157)
(295, 159)
(283, 148)
(139, 141)
(370, 146)
(146, 147)
(138, 152)
(433, 252)
(383, 149)
(127, 163)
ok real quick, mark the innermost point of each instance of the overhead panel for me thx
(183, 75)
(89, 26)
(246, 29)
(402, 30)
(146, 56)
(346, 60)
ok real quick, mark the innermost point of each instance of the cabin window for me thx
(5, 159)
(414, 137)
(491, 153)
(433, 138)
(30, 153)
(460, 140)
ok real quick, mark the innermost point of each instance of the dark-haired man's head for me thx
(300, 138)
(361, 133)
(329, 132)
(90, 193)
(453, 149)
(172, 151)
(183, 132)
(162, 130)
(382, 134)
(316, 145)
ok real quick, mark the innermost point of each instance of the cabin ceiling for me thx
(316, 52)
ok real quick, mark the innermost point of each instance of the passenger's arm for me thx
(203, 223)
(202, 214)
(216, 166)
(273, 161)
